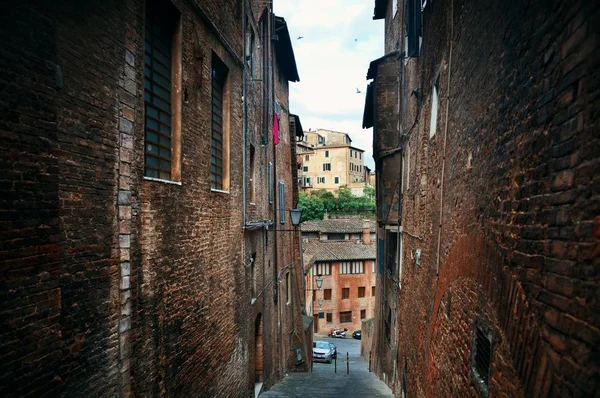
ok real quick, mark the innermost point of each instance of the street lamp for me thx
(295, 215)
(320, 303)
(319, 282)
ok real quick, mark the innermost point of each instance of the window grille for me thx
(217, 142)
(157, 96)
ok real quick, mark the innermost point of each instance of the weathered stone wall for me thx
(513, 166)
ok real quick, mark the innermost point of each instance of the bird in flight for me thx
(358, 91)
(300, 37)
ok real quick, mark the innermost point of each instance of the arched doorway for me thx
(258, 349)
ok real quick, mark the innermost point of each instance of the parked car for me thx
(356, 334)
(323, 351)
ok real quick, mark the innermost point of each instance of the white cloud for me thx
(339, 41)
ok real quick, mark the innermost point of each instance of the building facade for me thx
(341, 252)
(486, 147)
(144, 251)
(327, 160)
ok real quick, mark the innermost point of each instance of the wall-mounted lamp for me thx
(319, 281)
(320, 303)
(296, 216)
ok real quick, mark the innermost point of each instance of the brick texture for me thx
(513, 167)
(112, 284)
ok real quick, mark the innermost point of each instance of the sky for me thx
(339, 40)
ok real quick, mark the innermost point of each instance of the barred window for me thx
(162, 77)
(322, 269)
(219, 143)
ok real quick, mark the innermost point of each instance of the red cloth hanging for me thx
(276, 129)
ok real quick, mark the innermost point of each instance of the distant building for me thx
(327, 160)
(342, 252)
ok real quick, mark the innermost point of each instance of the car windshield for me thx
(321, 344)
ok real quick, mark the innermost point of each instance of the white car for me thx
(323, 351)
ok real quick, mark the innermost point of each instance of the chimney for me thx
(366, 232)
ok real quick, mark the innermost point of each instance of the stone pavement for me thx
(323, 382)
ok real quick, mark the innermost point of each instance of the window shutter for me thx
(281, 202)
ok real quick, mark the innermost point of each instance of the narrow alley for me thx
(195, 194)
(343, 379)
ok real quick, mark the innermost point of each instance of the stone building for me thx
(145, 239)
(342, 253)
(327, 160)
(485, 117)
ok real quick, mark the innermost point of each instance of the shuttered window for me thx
(481, 355)
(157, 96)
(217, 141)
(281, 202)
(346, 317)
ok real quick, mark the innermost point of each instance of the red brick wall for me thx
(58, 198)
(518, 176)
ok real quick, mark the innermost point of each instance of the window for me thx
(346, 317)
(253, 274)
(320, 180)
(388, 325)
(329, 320)
(331, 236)
(326, 294)
(351, 167)
(219, 143)
(326, 166)
(413, 27)
(307, 157)
(363, 314)
(337, 180)
(481, 355)
(392, 251)
(281, 203)
(288, 287)
(305, 168)
(252, 175)
(308, 181)
(360, 155)
(361, 292)
(162, 80)
(434, 111)
(322, 269)
(345, 293)
(354, 267)
(395, 9)
(373, 291)
(326, 154)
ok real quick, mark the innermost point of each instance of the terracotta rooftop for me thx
(318, 250)
(337, 225)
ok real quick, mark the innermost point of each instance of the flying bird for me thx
(358, 91)
(300, 37)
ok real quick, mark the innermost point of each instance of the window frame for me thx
(345, 293)
(157, 16)
(358, 293)
(345, 316)
(220, 80)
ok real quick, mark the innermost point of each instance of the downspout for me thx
(245, 119)
(437, 268)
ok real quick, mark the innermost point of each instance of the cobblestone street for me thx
(324, 382)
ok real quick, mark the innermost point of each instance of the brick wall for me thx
(514, 171)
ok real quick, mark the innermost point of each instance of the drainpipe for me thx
(245, 119)
(437, 268)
